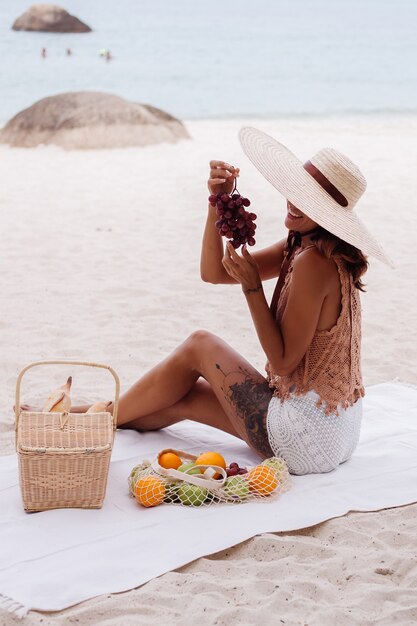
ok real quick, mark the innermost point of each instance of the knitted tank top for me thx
(332, 364)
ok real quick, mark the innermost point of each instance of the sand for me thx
(100, 261)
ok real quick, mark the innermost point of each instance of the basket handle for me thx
(85, 363)
(207, 483)
(190, 478)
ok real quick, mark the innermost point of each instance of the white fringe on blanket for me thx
(10, 605)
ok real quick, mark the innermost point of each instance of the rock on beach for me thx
(91, 120)
(49, 18)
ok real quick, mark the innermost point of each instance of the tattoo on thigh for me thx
(250, 399)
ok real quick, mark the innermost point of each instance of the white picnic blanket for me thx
(54, 559)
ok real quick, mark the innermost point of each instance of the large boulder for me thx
(49, 18)
(87, 119)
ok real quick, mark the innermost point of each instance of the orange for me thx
(150, 491)
(169, 460)
(211, 458)
(262, 480)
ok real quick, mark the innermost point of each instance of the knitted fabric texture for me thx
(332, 364)
(309, 441)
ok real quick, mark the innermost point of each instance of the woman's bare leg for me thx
(235, 400)
(199, 405)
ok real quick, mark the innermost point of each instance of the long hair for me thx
(330, 245)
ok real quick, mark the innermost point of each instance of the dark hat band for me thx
(325, 183)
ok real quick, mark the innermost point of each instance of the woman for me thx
(308, 409)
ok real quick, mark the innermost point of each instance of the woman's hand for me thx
(243, 269)
(222, 177)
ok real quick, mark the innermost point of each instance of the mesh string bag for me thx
(201, 485)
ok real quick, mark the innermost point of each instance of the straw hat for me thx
(326, 188)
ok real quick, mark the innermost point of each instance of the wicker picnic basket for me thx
(64, 458)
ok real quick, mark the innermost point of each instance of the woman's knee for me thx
(200, 340)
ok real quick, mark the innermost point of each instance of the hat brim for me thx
(286, 173)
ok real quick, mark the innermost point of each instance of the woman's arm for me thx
(211, 268)
(222, 177)
(284, 344)
(268, 259)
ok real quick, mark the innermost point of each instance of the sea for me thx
(211, 59)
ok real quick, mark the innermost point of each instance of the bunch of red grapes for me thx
(235, 470)
(234, 221)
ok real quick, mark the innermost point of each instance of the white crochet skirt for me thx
(308, 440)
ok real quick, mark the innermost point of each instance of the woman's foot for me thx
(100, 407)
(29, 407)
(36, 409)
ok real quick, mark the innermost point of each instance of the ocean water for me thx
(222, 58)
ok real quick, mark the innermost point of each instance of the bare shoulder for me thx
(314, 269)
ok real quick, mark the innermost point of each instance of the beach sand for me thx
(100, 261)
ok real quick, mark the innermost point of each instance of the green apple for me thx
(277, 464)
(236, 489)
(171, 492)
(191, 494)
(190, 468)
(139, 470)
